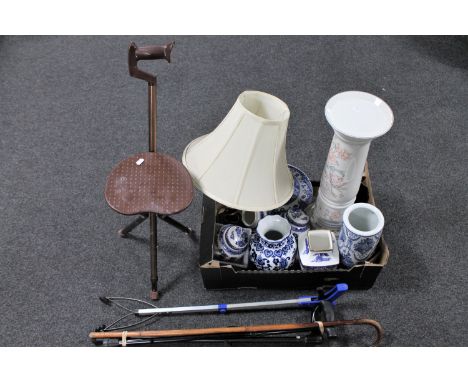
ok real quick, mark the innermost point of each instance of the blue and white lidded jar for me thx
(273, 246)
(298, 219)
(233, 241)
(360, 233)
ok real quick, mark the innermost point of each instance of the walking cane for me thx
(225, 333)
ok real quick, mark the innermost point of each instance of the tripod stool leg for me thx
(176, 224)
(154, 295)
(129, 228)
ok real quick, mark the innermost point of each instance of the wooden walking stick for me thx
(234, 332)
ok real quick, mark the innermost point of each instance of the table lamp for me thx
(242, 163)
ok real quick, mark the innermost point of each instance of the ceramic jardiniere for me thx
(273, 246)
(233, 241)
(356, 118)
(361, 231)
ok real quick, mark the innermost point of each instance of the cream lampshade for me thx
(242, 163)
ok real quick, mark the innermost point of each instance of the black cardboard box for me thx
(217, 275)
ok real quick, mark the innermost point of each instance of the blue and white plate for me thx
(321, 260)
(303, 194)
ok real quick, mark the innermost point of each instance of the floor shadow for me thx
(138, 239)
(406, 269)
(448, 50)
(190, 260)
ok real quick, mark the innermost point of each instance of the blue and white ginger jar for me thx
(233, 241)
(298, 219)
(273, 246)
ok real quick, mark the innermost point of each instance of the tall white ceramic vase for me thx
(356, 118)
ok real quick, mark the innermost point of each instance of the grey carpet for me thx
(69, 112)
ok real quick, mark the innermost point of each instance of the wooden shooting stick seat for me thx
(150, 184)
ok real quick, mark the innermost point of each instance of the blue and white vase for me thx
(233, 241)
(298, 219)
(273, 246)
(360, 233)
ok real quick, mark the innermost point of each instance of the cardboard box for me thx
(218, 275)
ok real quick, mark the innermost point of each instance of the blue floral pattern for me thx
(303, 194)
(233, 240)
(298, 220)
(306, 251)
(355, 248)
(272, 255)
(239, 237)
(321, 257)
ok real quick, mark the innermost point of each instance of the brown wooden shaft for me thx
(239, 330)
(152, 115)
(154, 250)
(197, 332)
